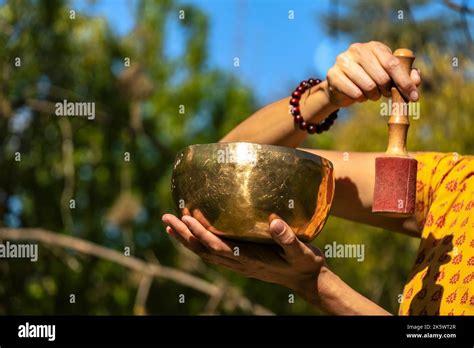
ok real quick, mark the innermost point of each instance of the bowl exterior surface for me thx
(236, 189)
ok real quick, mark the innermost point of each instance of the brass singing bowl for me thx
(236, 189)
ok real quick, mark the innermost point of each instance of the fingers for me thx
(393, 67)
(286, 238)
(415, 76)
(198, 249)
(208, 257)
(371, 67)
(342, 84)
(361, 78)
(181, 232)
(376, 72)
(199, 216)
(213, 243)
(196, 238)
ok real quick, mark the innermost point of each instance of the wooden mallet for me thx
(395, 172)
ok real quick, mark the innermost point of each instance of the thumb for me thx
(285, 237)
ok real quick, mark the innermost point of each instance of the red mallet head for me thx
(395, 172)
(395, 186)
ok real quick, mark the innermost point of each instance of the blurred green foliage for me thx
(120, 203)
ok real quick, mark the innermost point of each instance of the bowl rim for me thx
(296, 151)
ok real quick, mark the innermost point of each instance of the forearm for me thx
(335, 297)
(274, 125)
(355, 172)
(355, 182)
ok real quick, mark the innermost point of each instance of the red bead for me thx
(296, 95)
(298, 119)
(300, 89)
(295, 111)
(325, 126)
(311, 128)
(303, 84)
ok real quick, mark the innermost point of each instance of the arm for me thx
(355, 181)
(274, 125)
(338, 298)
(363, 72)
(298, 266)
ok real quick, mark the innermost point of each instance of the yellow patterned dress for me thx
(442, 279)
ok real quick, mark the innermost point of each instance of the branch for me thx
(463, 10)
(68, 172)
(214, 301)
(130, 262)
(142, 295)
(458, 8)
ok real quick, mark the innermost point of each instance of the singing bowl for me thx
(236, 189)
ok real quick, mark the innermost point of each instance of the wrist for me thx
(332, 106)
(316, 289)
(328, 288)
(322, 290)
(329, 293)
(316, 104)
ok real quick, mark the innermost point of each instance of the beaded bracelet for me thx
(295, 109)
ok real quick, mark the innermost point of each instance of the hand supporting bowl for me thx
(236, 189)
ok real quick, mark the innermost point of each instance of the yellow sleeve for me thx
(433, 167)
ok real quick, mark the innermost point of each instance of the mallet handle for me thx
(398, 122)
